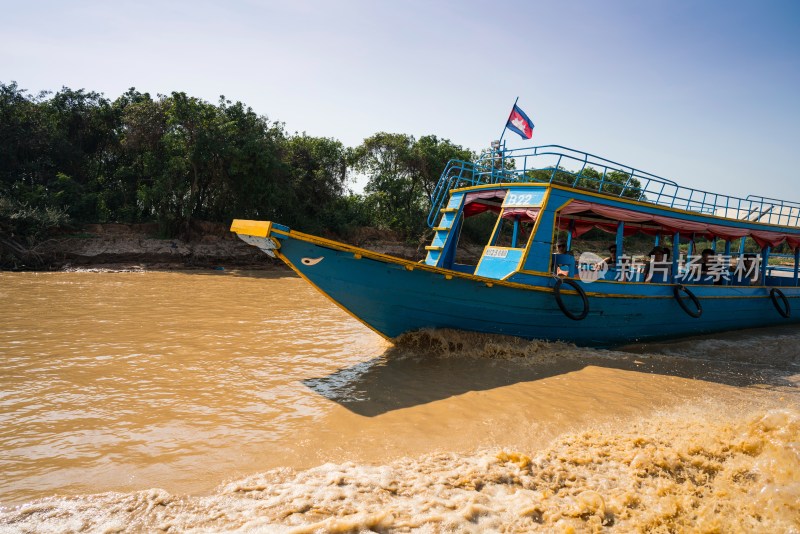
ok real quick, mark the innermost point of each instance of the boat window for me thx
(513, 231)
(481, 209)
(486, 222)
(474, 233)
(710, 254)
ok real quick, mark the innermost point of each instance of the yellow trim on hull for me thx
(321, 241)
(466, 276)
(358, 253)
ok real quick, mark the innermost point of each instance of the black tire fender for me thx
(676, 292)
(786, 309)
(574, 285)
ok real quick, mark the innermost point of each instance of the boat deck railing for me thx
(556, 164)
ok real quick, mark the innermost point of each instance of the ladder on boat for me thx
(447, 221)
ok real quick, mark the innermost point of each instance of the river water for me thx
(234, 400)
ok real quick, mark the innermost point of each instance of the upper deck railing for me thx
(561, 165)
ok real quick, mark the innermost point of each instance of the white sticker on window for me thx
(496, 253)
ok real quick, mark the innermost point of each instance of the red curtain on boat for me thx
(669, 224)
(619, 214)
(727, 232)
(472, 206)
(522, 213)
(767, 239)
(476, 208)
(579, 229)
(485, 195)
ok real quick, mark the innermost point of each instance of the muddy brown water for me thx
(248, 400)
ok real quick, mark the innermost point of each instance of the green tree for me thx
(81, 135)
(402, 173)
(318, 168)
(140, 158)
(24, 141)
(616, 183)
(77, 156)
(256, 181)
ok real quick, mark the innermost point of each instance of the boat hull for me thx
(393, 296)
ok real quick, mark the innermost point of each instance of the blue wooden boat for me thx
(523, 285)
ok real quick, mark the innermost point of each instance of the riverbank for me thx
(131, 247)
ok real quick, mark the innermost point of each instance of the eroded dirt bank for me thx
(138, 246)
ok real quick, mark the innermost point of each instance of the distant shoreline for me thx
(135, 247)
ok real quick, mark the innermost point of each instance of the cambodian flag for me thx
(520, 123)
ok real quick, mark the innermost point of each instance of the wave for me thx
(775, 347)
(688, 469)
(446, 343)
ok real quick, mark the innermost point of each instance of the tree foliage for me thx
(402, 173)
(76, 155)
(614, 182)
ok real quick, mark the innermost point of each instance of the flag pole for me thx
(505, 126)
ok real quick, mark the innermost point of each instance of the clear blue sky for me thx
(702, 92)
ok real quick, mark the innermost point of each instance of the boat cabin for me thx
(536, 214)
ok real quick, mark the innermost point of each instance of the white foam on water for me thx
(687, 470)
(446, 343)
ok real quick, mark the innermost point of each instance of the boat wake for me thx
(696, 435)
(771, 346)
(677, 471)
(446, 343)
(766, 351)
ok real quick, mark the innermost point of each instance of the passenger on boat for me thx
(706, 261)
(753, 265)
(611, 261)
(701, 269)
(746, 271)
(716, 268)
(658, 268)
(563, 261)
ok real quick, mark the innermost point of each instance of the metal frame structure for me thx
(557, 164)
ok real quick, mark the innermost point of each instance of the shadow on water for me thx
(429, 366)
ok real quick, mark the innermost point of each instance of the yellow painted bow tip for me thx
(253, 228)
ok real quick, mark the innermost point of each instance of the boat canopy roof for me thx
(581, 216)
(555, 164)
